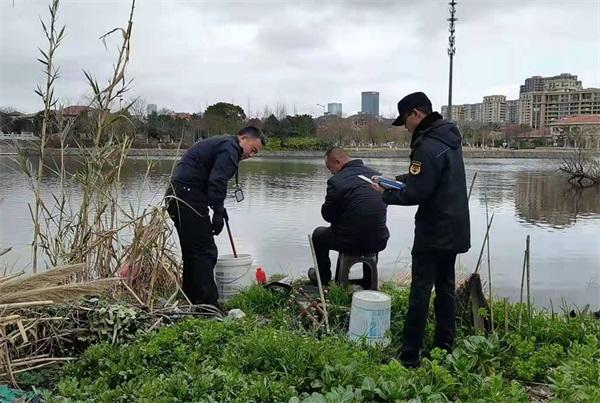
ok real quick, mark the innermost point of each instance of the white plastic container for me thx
(370, 317)
(232, 275)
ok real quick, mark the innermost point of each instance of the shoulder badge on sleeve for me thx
(415, 168)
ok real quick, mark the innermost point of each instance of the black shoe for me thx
(410, 364)
(410, 360)
(312, 276)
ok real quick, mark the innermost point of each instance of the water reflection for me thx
(550, 200)
(282, 206)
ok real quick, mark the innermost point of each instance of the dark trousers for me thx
(324, 241)
(430, 270)
(198, 250)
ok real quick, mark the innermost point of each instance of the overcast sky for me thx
(190, 54)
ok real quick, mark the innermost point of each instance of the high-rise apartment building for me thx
(494, 109)
(561, 82)
(464, 112)
(334, 108)
(370, 103)
(458, 112)
(512, 111)
(545, 99)
(542, 100)
(473, 112)
(538, 109)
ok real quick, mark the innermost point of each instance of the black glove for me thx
(219, 215)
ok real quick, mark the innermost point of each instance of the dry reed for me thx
(63, 292)
(48, 278)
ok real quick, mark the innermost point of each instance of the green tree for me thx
(223, 118)
(161, 127)
(336, 130)
(271, 126)
(301, 126)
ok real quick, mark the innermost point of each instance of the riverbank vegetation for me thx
(137, 342)
(274, 354)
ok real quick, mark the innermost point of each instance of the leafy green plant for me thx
(114, 322)
(578, 378)
(258, 300)
(276, 360)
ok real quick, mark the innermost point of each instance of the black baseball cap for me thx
(409, 102)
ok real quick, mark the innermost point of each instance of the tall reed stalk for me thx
(108, 236)
(54, 37)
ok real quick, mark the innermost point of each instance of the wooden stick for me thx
(10, 373)
(154, 325)
(231, 238)
(585, 310)
(22, 331)
(489, 267)
(529, 283)
(505, 315)
(124, 282)
(5, 251)
(522, 286)
(472, 183)
(487, 233)
(9, 318)
(468, 198)
(11, 276)
(45, 364)
(30, 359)
(312, 249)
(25, 304)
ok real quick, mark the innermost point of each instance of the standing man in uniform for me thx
(199, 182)
(436, 183)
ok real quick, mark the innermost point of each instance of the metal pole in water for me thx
(451, 52)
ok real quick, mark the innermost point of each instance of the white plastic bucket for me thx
(232, 275)
(370, 317)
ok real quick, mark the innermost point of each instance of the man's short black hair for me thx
(335, 150)
(253, 132)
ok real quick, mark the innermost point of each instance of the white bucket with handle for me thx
(370, 317)
(232, 275)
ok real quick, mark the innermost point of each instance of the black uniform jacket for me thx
(201, 176)
(436, 183)
(356, 212)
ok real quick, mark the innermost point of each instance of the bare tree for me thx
(138, 107)
(583, 169)
(7, 109)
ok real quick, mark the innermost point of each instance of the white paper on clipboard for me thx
(366, 179)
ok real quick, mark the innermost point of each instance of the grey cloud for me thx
(294, 38)
(190, 53)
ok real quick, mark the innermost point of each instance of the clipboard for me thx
(385, 183)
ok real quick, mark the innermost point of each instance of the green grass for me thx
(271, 356)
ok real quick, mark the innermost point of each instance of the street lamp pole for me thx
(322, 106)
(451, 52)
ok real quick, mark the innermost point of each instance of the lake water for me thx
(282, 206)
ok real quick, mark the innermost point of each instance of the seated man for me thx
(356, 212)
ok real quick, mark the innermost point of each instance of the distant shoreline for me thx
(541, 153)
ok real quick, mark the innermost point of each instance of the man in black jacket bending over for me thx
(356, 213)
(436, 183)
(200, 181)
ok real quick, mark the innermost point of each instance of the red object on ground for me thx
(129, 272)
(261, 276)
